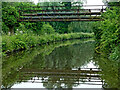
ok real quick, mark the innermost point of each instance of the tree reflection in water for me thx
(56, 59)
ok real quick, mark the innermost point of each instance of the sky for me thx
(94, 2)
(89, 2)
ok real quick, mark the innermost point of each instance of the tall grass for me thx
(26, 41)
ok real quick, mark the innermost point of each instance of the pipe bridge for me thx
(62, 13)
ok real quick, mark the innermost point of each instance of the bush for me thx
(47, 29)
(25, 41)
(108, 34)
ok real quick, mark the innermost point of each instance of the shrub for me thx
(108, 33)
(25, 41)
(47, 29)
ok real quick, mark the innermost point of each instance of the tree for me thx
(10, 16)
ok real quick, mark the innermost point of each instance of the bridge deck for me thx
(62, 13)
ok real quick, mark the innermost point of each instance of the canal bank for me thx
(26, 41)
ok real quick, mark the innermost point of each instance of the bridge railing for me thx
(64, 8)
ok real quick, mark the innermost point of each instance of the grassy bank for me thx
(25, 41)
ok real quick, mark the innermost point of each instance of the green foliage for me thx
(115, 54)
(61, 27)
(34, 26)
(47, 29)
(10, 16)
(98, 32)
(108, 34)
(81, 27)
(25, 41)
(5, 28)
(21, 28)
(109, 69)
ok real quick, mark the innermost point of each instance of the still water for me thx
(68, 64)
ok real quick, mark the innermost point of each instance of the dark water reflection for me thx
(69, 64)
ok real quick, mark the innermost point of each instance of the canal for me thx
(67, 64)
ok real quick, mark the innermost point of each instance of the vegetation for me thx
(10, 16)
(110, 71)
(23, 35)
(81, 27)
(26, 35)
(107, 34)
(25, 41)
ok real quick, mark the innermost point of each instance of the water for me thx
(69, 64)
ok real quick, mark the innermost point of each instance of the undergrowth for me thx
(26, 41)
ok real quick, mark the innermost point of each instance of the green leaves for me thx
(47, 29)
(109, 39)
(10, 16)
(25, 41)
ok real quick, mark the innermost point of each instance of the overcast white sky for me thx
(95, 2)
(89, 2)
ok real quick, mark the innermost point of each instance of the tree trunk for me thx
(11, 30)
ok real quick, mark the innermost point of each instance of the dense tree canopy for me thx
(10, 17)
